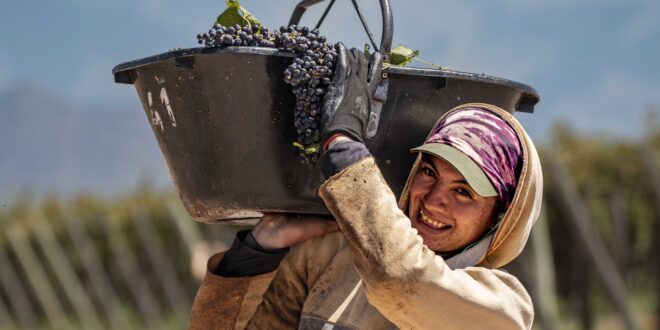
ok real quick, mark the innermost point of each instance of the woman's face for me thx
(445, 210)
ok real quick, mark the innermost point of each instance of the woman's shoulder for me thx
(315, 256)
(319, 252)
(327, 245)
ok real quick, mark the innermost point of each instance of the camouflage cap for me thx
(482, 147)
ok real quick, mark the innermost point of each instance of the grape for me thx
(309, 73)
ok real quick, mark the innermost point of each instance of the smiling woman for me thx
(428, 261)
(445, 210)
(466, 178)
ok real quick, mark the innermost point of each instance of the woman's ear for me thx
(498, 219)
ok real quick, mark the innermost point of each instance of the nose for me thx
(436, 198)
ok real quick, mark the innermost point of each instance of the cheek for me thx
(413, 201)
(417, 188)
(471, 211)
(481, 216)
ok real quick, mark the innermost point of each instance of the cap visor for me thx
(472, 173)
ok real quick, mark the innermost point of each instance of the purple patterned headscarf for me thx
(489, 141)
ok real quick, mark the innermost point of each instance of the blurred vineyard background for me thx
(116, 257)
(135, 260)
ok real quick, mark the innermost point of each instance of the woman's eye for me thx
(428, 171)
(464, 192)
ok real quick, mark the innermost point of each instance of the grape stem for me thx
(428, 63)
(436, 66)
(314, 148)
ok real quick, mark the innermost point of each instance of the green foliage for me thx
(236, 14)
(603, 167)
(606, 169)
(401, 55)
(103, 220)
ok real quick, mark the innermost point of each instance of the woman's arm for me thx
(236, 281)
(261, 249)
(226, 302)
(408, 283)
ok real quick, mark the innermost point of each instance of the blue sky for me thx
(594, 62)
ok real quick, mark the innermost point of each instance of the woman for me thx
(427, 262)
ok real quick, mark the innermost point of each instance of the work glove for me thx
(347, 103)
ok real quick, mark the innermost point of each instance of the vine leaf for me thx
(236, 14)
(401, 55)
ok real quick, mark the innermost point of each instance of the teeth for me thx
(433, 223)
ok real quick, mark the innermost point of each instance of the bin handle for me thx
(387, 29)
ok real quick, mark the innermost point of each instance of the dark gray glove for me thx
(347, 103)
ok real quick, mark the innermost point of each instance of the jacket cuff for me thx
(342, 155)
(247, 258)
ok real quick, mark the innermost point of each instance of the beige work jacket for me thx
(377, 273)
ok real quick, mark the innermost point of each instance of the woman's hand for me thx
(276, 230)
(347, 102)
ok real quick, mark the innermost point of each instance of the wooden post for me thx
(6, 321)
(65, 274)
(654, 178)
(127, 264)
(198, 249)
(32, 267)
(186, 226)
(99, 280)
(13, 286)
(580, 220)
(619, 241)
(159, 260)
(544, 273)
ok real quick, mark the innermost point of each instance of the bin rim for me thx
(183, 52)
(531, 96)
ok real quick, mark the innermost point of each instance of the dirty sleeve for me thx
(407, 282)
(227, 302)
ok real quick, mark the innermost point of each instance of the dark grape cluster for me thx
(247, 35)
(309, 74)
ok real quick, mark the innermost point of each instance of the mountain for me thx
(49, 143)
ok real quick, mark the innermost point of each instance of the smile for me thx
(433, 223)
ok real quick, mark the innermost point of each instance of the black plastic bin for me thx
(223, 118)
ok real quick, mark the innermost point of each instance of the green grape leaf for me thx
(236, 14)
(402, 55)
